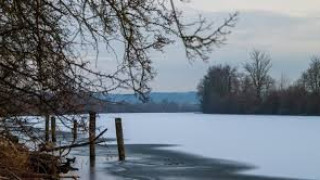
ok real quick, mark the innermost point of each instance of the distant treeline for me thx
(151, 107)
(156, 102)
(92, 104)
(226, 90)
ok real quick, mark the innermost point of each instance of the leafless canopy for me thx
(311, 77)
(258, 70)
(42, 43)
(43, 46)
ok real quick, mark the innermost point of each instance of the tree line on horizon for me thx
(227, 90)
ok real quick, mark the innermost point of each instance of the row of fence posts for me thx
(92, 135)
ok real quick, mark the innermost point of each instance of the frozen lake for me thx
(281, 146)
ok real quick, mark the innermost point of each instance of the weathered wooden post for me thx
(120, 142)
(47, 121)
(53, 129)
(92, 136)
(75, 130)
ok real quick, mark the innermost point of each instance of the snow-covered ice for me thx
(282, 146)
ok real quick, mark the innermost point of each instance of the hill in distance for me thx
(158, 97)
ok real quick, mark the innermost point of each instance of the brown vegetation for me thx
(17, 162)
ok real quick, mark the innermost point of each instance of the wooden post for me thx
(75, 130)
(47, 121)
(92, 136)
(120, 142)
(53, 129)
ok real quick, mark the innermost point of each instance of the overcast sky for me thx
(288, 29)
(289, 7)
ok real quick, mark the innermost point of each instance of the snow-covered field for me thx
(283, 146)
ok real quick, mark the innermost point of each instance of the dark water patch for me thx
(152, 162)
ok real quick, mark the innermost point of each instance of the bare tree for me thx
(218, 85)
(284, 82)
(42, 44)
(43, 69)
(311, 78)
(258, 70)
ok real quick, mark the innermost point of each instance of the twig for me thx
(69, 177)
(79, 144)
(4, 178)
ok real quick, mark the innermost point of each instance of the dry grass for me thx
(16, 162)
(13, 158)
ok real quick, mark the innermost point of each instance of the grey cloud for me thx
(290, 40)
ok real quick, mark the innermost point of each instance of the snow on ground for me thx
(283, 146)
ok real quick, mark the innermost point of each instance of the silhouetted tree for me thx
(258, 70)
(43, 43)
(216, 88)
(311, 77)
(283, 83)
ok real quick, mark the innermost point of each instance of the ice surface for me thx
(283, 146)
